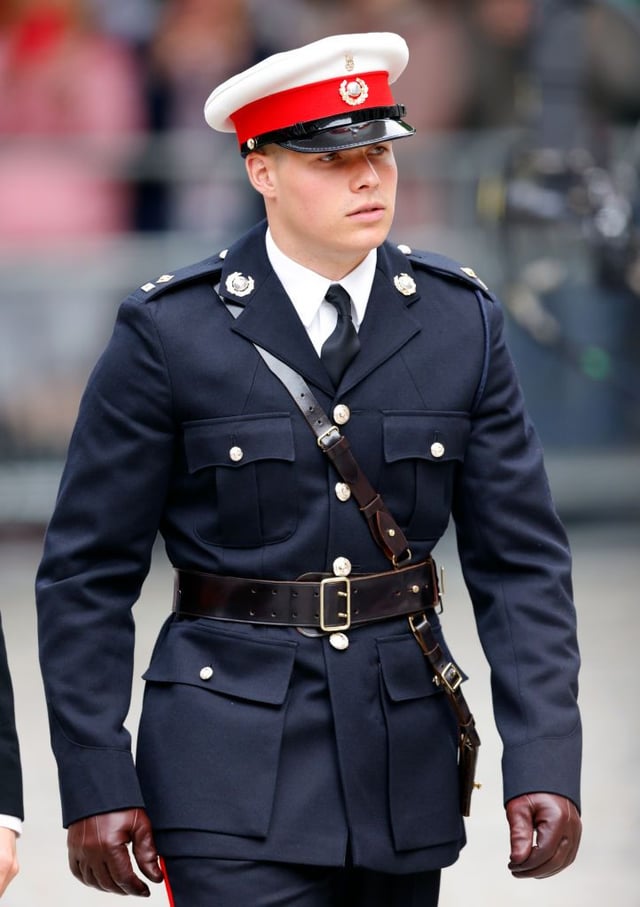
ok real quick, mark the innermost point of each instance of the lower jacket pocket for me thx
(422, 748)
(211, 729)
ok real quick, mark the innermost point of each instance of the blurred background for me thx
(525, 167)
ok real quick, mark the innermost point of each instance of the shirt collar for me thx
(307, 289)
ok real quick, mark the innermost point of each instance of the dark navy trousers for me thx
(205, 882)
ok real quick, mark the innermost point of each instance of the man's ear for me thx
(260, 170)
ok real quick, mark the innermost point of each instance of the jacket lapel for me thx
(269, 320)
(388, 324)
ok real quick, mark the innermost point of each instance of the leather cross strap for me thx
(448, 677)
(384, 529)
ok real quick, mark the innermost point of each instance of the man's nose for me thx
(366, 173)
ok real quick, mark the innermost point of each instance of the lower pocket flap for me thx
(223, 662)
(405, 670)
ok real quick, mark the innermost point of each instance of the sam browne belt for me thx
(329, 603)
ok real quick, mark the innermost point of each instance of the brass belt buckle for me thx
(346, 594)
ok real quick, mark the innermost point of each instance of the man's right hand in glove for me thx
(99, 855)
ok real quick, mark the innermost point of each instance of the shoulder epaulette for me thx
(447, 267)
(182, 276)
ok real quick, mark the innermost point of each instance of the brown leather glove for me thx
(99, 857)
(545, 834)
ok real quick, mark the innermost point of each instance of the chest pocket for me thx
(421, 452)
(244, 470)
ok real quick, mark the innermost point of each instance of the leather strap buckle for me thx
(331, 434)
(343, 609)
(450, 677)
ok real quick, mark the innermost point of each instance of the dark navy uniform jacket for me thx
(10, 771)
(288, 749)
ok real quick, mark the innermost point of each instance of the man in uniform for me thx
(293, 748)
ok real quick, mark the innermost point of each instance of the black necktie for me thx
(341, 346)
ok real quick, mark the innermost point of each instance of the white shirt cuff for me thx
(11, 822)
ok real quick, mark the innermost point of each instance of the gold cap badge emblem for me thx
(354, 91)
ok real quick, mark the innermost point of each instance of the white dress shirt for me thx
(306, 289)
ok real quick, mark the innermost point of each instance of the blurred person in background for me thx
(195, 44)
(497, 35)
(71, 116)
(562, 192)
(293, 746)
(71, 108)
(11, 806)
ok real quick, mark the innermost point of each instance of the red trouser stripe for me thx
(166, 882)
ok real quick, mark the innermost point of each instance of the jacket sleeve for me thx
(10, 771)
(96, 555)
(517, 566)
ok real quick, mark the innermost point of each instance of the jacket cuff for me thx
(96, 781)
(550, 765)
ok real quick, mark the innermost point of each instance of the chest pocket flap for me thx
(437, 437)
(238, 441)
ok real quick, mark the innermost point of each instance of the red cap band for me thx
(312, 102)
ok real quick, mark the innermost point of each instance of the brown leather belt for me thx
(328, 603)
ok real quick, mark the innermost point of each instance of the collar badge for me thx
(354, 91)
(405, 284)
(238, 284)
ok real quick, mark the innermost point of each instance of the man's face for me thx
(327, 211)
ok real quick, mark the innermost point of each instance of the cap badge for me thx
(349, 64)
(405, 284)
(238, 284)
(354, 91)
